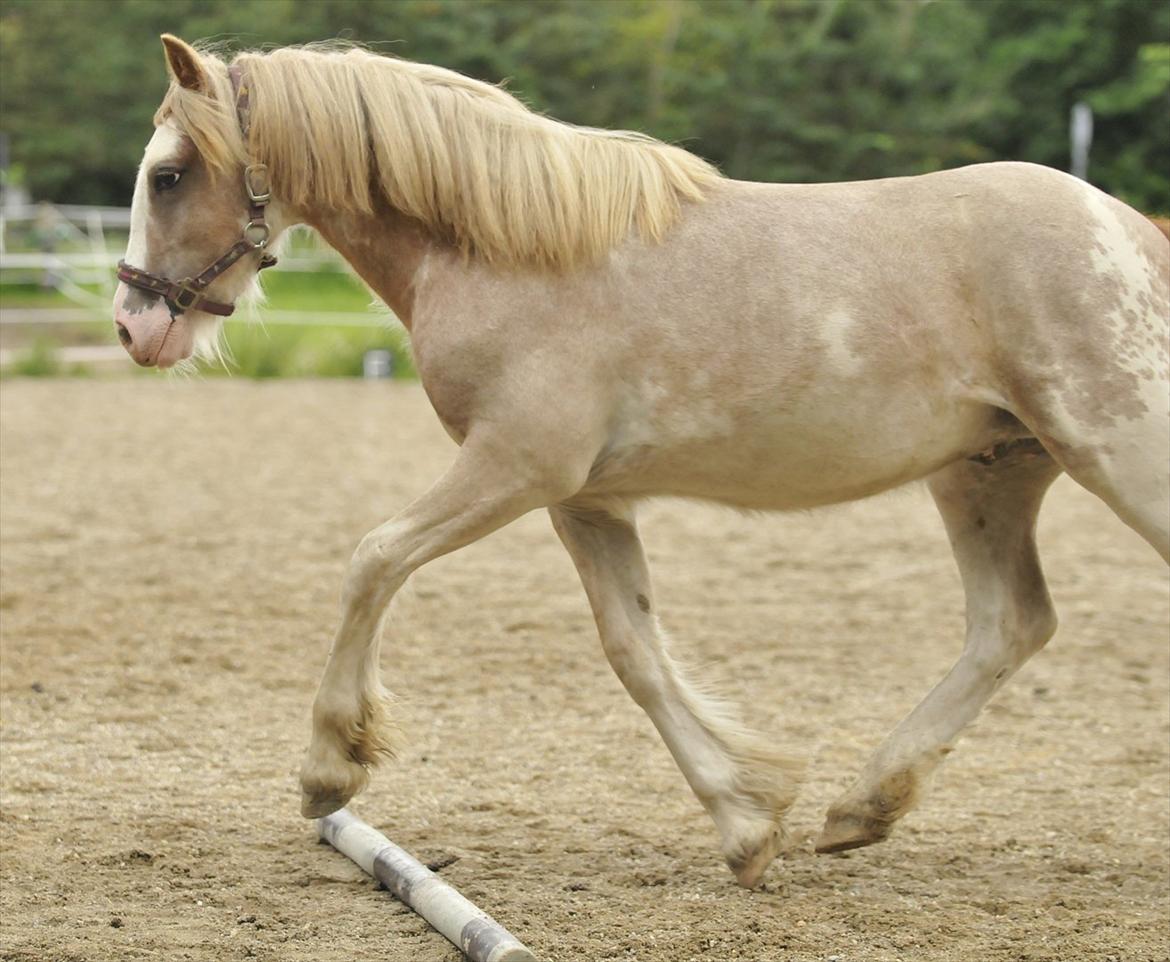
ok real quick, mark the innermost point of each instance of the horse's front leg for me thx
(744, 783)
(990, 514)
(483, 490)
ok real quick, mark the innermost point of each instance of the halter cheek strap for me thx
(188, 294)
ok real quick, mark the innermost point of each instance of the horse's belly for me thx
(783, 459)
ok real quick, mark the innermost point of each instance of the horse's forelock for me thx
(207, 117)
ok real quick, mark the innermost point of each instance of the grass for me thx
(323, 290)
(34, 295)
(318, 351)
(42, 358)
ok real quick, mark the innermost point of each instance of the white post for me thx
(96, 234)
(1080, 135)
(377, 364)
(477, 935)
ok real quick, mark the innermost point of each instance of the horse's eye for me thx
(166, 179)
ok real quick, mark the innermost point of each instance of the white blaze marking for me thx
(164, 145)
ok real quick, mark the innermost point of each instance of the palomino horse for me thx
(599, 318)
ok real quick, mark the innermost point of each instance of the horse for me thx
(599, 318)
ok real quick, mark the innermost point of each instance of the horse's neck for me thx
(385, 247)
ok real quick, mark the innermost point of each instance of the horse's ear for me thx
(183, 63)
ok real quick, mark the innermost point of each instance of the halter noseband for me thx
(187, 294)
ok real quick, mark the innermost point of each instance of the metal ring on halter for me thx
(256, 233)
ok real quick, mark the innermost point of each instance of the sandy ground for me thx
(171, 558)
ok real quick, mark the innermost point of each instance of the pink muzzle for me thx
(149, 333)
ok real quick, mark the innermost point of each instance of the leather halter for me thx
(188, 294)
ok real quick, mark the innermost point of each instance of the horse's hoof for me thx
(327, 787)
(749, 867)
(844, 831)
(318, 806)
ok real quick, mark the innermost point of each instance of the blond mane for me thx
(339, 127)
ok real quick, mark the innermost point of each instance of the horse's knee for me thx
(372, 565)
(375, 551)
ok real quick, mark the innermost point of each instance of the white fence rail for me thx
(88, 262)
(74, 213)
(70, 224)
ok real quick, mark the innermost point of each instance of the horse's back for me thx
(991, 271)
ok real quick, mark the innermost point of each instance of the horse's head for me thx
(195, 243)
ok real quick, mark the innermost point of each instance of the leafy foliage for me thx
(797, 90)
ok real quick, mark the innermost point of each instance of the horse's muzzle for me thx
(150, 334)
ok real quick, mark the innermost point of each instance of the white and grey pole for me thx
(477, 935)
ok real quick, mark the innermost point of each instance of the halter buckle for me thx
(256, 184)
(185, 288)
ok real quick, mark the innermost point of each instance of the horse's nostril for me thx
(124, 334)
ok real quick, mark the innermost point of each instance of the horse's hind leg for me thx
(1101, 403)
(1129, 470)
(744, 784)
(990, 514)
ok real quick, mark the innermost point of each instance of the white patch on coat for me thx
(836, 328)
(1116, 254)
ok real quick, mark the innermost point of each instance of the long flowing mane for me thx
(339, 127)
